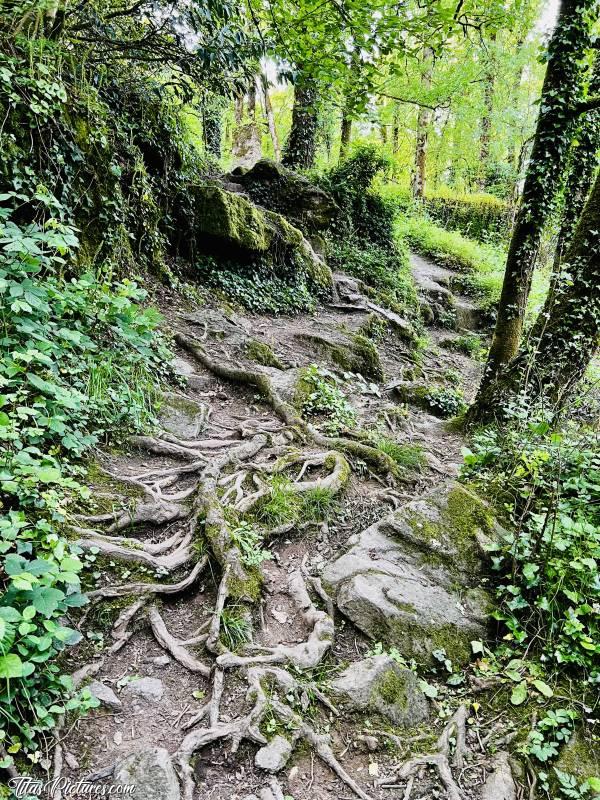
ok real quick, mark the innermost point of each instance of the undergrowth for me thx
(79, 360)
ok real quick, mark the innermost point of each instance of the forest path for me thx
(151, 693)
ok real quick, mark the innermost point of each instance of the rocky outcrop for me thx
(272, 186)
(415, 579)
(381, 685)
(230, 226)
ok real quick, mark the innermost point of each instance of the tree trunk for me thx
(567, 338)
(301, 146)
(583, 164)
(264, 86)
(396, 130)
(246, 147)
(551, 144)
(423, 122)
(345, 134)
(420, 173)
(486, 119)
(212, 131)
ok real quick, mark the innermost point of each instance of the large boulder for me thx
(414, 579)
(380, 684)
(230, 226)
(273, 186)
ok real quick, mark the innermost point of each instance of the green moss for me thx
(465, 514)
(230, 216)
(261, 353)
(580, 756)
(414, 638)
(392, 689)
(248, 588)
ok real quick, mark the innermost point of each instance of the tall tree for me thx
(263, 86)
(570, 41)
(301, 146)
(488, 107)
(424, 118)
(566, 334)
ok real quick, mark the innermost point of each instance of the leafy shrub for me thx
(385, 270)
(448, 400)
(255, 287)
(479, 216)
(470, 344)
(364, 214)
(77, 361)
(548, 571)
(321, 396)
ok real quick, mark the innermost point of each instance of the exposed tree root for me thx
(455, 727)
(305, 655)
(150, 588)
(286, 412)
(174, 646)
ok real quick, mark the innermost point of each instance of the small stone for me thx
(280, 616)
(160, 661)
(274, 756)
(151, 689)
(71, 761)
(151, 772)
(118, 738)
(105, 695)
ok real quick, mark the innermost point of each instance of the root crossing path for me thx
(212, 640)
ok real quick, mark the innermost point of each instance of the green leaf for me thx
(11, 666)
(519, 694)
(543, 688)
(46, 599)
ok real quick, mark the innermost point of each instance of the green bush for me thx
(549, 569)
(479, 216)
(78, 360)
(255, 287)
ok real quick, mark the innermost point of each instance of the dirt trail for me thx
(212, 417)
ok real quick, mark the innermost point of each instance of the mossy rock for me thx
(415, 579)
(354, 353)
(381, 685)
(232, 219)
(262, 354)
(273, 186)
(181, 416)
(580, 757)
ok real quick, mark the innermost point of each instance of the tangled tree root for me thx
(440, 759)
(287, 413)
(222, 471)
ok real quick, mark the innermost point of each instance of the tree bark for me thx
(423, 122)
(264, 86)
(345, 134)
(301, 146)
(555, 126)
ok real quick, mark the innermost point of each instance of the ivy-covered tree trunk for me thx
(565, 336)
(583, 163)
(555, 126)
(212, 129)
(345, 134)
(301, 146)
